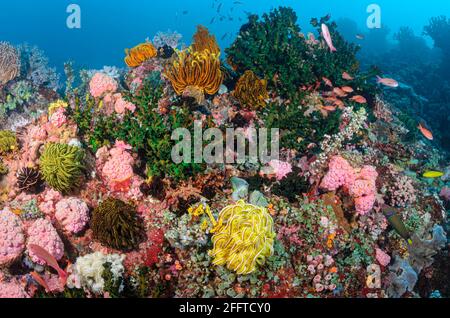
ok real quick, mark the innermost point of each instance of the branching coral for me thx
(116, 225)
(251, 91)
(139, 54)
(195, 73)
(244, 237)
(203, 40)
(9, 63)
(61, 166)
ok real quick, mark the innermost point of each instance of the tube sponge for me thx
(61, 166)
(244, 237)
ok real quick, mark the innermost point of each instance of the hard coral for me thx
(12, 239)
(139, 54)
(9, 63)
(195, 73)
(244, 237)
(72, 214)
(12, 289)
(43, 234)
(251, 91)
(61, 166)
(116, 225)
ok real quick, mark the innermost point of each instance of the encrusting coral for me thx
(61, 166)
(243, 237)
(115, 224)
(251, 91)
(139, 54)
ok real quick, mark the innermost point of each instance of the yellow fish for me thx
(433, 174)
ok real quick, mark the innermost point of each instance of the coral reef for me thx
(92, 203)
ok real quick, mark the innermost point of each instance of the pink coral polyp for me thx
(72, 214)
(361, 185)
(43, 234)
(12, 289)
(12, 239)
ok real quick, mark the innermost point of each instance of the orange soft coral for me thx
(195, 73)
(251, 91)
(139, 54)
(203, 40)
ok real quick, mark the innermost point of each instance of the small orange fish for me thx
(427, 133)
(347, 89)
(329, 108)
(347, 76)
(339, 92)
(327, 81)
(339, 104)
(359, 99)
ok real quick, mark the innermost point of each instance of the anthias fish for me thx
(387, 82)
(426, 132)
(347, 76)
(327, 36)
(359, 99)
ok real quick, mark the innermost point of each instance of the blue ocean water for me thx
(108, 27)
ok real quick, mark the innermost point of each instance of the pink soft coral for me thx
(340, 173)
(72, 214)
(43, 234)
(361, 185)
(382, 257)
(118, 170)
(102, 84)
(12, 239)
(280, 168)
(58, 118)
(122, 105)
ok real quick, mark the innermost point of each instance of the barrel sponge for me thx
(43, 234)
(61, 166)
(244, 237)
(12, 238)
